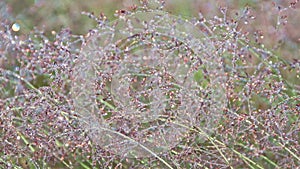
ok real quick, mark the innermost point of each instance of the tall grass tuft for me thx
(148, 90)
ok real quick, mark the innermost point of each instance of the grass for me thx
(235, 106)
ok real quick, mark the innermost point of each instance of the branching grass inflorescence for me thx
(148, 89)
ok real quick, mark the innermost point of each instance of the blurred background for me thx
(275, 23)
(277, 20)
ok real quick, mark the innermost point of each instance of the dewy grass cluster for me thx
(147, 90)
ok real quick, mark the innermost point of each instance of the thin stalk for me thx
(144, 147)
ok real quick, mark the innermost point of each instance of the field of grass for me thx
(149, 84)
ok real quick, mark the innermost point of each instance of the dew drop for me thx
(15, 27)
